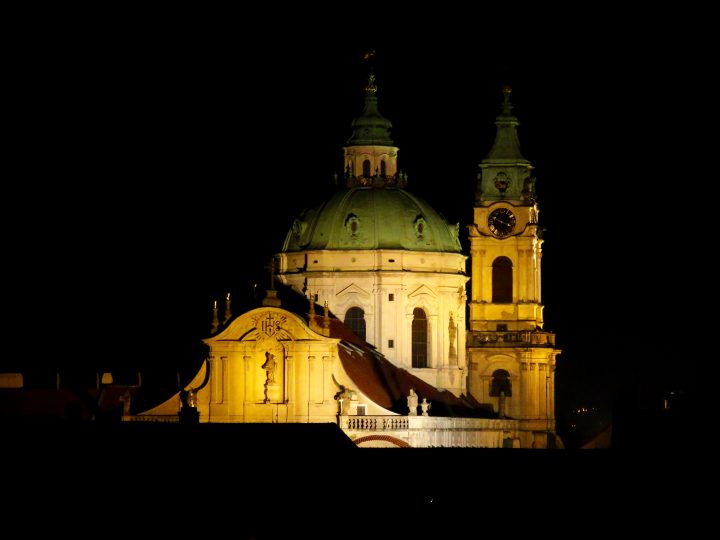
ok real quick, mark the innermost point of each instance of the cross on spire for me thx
(271, 268)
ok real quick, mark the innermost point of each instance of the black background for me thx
(163, 156)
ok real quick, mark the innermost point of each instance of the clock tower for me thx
(511, 359)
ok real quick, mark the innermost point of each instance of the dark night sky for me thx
(174, 155)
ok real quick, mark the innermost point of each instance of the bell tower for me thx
(511, 359)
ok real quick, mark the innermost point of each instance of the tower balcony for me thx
(397, 180)
(512, 338)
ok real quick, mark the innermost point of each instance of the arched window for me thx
(502, 278)
(383, 168)
(419, 339)
(355, 320)
(500, 383)
(366, 168)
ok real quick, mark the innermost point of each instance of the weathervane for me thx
(371, 88)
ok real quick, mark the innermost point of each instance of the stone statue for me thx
(412, 402)
(269, 366)
(529, 188)
(425, 406)
(342, 396)
(125, 398)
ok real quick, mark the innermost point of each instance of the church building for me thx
(371, 326)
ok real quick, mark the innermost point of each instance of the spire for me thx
(371, 128)
(370, 154)
(505, 174)
(507, 146)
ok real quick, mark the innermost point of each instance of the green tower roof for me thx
(370, 218)
(371, 128)
(506, 146)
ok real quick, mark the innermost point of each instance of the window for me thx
(500, 383)
(419, 339)
(366, 168)
(355, 320)
(502, 327)
(502, 281)
(391, 343)
(361, 410)
(391, 297)
(383, 168)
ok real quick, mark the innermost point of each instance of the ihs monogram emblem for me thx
(271, 324)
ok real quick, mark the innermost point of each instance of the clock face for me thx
(501, 222)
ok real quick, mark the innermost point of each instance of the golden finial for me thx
(506, 105)
(371, 88)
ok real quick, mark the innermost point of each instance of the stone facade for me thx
(376, 249)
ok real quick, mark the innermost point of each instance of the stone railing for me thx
(435, 431)
(378, 180)
(152, 418)
(374, 423)
(512, 338)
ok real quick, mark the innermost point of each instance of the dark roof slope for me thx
(388, 385)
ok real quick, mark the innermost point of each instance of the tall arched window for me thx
(383, 168)
(500, 383)
(502, 281)
(366, 168)
(355, 320)
(419, 339)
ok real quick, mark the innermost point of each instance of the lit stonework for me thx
(378, 248)
(396, 364)
(506, 321)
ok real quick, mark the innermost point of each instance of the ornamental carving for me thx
(502, 182)
(352, 224)
(419, 225)
(270, 326)
(298, 228)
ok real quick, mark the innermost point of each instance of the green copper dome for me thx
(373, 218)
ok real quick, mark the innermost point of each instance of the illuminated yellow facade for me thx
(511, 358)
(269, 365)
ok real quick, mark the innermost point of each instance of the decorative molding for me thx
(352, 289)
(423, 289)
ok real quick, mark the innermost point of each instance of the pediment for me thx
(266, 323)
(352, 289)
(422, 290)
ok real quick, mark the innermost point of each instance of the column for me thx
(538, 277)
(525, 389)
(526, 275)
(217, 374)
